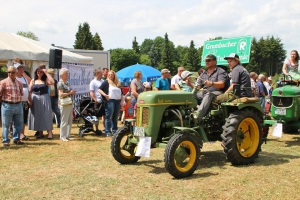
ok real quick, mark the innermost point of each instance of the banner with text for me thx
(222, 48)
(80, 76)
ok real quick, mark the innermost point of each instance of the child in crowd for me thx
(87, 115)
(128, 108)
(148, 86)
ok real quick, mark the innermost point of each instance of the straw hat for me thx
(51, 71)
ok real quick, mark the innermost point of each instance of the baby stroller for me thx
(85, 110)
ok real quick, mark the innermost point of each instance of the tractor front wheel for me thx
(182, 155)
(242, 137)
(121, 149)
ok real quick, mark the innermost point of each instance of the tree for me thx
(180, 54)
(29, 35)
(167, 55)
(84, 37)
(97, 43)
(120, 58)
(145, 60)
(146, 46)
(154, 56)
(266, 56)
(135, 46)
(193, 58)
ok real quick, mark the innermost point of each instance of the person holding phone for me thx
(40, 113)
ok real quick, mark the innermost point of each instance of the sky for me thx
(119, 21)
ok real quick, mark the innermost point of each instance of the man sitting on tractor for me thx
(239, 76)
(213, 82)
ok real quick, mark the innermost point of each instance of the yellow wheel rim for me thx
(125, 153)
(247, 137)
(190, 158)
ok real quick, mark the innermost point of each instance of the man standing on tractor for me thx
(239, 76)
(176, 78)
(212, 80)
(162, 83)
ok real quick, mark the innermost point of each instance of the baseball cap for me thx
(17, 65)
(210, 56)
(270, 78)
(185, 74)
(165, 71)
(232, 55)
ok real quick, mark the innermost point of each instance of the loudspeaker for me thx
(55, 58)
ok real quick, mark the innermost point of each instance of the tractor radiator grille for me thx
(282, 101)
(145, 116)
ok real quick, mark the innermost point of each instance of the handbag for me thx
(66, 101)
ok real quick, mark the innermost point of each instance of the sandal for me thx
(25, 138)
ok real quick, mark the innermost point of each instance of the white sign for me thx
(80, 76)
(143, 149)
(277, 130)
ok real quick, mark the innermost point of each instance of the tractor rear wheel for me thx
(242, 137)
(182, 155)
(121, 150)
(289, 129)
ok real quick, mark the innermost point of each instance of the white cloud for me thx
(118, 21)
(47, 26)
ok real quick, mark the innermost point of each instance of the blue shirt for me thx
(184, 87)
(162, 84)
(261, 88)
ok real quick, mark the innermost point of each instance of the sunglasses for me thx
(208, 60)
(11, 72)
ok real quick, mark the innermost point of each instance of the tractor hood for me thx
(288, 90)
(166, 97)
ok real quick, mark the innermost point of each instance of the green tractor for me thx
(167, 117)
(285, 106)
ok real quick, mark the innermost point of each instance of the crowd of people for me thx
(32, 100)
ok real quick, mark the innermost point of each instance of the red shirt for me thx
(11, 90)
(128, 109)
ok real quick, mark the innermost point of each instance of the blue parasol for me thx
(149, 73)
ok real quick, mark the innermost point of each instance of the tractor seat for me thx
(246, 100)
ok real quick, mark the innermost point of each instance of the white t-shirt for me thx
(25, 88)
(114, 92)
(94, 86)
(175, 79)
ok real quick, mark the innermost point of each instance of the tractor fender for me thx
(186, 130)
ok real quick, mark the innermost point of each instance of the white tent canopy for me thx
(13, 46)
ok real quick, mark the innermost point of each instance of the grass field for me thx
(85, 169)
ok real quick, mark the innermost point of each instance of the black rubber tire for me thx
(289, 129)
(80, 133)
(116, 147)
(98, 132)
(170, 152)
(232, 141)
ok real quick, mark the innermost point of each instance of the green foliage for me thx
(167, 55)
(145, 60)
(28, 34)
(266, 56)
(146, 46)
(193, 58)
(181, 55)
(97, 42)
(84, 37)
(121, 58)
(155, 53)
(135, 46)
